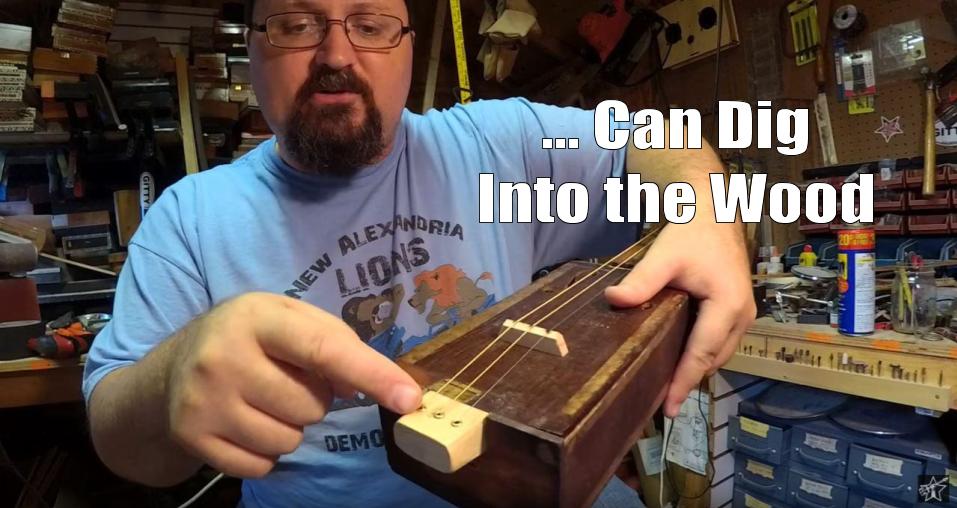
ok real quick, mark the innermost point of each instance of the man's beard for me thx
(324, 139)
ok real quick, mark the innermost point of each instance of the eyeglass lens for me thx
(302, 30)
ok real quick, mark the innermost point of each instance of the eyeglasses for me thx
(303, 30)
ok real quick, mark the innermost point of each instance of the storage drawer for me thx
(745, 499)
(758, 439)
(760, 477)
(817, 448)
(810, 489)
(884, 474)
(867, 500)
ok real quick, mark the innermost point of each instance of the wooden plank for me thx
(161, 34)
(162, 19)
(37, 363)
(178, 9)
(881, 339)
(48, 59)
(92, 218)
(38, 387)
(891, 390)
(186, 115)
(886, 361)
(435, 55)
(126, 206)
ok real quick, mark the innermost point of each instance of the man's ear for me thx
(411, 35)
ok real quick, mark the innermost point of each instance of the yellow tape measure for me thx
(465, 90)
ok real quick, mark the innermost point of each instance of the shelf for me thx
(818, 356)
(54, 139)
(851, 383)
(847, 169)
(33, 139)
(78, 291)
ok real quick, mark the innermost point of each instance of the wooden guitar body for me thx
(549, 430)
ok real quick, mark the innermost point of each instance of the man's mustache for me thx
(326, 79)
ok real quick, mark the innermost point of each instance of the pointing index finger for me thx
(312, 339)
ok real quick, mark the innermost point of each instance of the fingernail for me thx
(405, 398)
(613, 289)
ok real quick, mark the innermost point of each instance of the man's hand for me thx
(246, 378)
(709, 261)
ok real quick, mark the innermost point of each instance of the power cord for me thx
(202, 491)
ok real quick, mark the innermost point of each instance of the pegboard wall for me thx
(692, 86)
(898, 95)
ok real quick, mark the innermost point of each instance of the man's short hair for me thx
(251, 4)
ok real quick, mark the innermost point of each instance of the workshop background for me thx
(105, 104)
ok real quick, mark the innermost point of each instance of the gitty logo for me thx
(933, 489)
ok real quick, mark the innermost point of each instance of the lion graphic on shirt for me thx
(373, 314)
(453, 294)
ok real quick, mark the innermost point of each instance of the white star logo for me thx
(890, 128)
(934, 490)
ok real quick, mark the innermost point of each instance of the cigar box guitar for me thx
(535, 401)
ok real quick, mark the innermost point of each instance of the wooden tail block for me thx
(534, 337)
(444, 434)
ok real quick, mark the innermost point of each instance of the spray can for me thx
(855, 281)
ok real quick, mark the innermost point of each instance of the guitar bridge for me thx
(534, 337)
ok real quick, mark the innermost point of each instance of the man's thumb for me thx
(644, 281)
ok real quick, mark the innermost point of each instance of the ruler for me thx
(825, 134)
(461, 62)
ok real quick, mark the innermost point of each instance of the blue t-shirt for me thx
(397, 251)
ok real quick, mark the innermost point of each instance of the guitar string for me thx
(521, 319)
(517, 340)
(532, 348)
(552, 312)
(649, 236)
(462, 410)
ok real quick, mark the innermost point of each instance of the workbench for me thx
(37, 381)
(887, 365)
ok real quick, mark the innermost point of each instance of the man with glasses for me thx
(262, 302)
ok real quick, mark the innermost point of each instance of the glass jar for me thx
(914, 300)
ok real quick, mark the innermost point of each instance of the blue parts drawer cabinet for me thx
(884, 474)
(794, 403)
(868, 500)
(745, 499)
(758, 439)
(759, 477)
(821, 445)
(814, 490)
